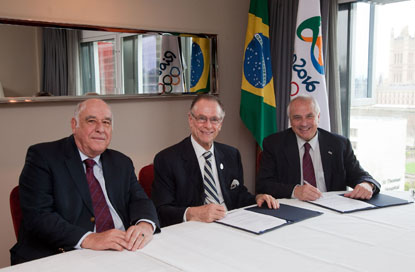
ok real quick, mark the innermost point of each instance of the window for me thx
(117, 63)
(122, 63)
(376, 51)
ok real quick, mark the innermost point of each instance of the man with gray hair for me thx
(77, 193)
(304, 160)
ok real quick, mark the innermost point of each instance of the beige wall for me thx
(142, 127)
(19, 60)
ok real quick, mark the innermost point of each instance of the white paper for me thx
(341, 203)
(252, 221)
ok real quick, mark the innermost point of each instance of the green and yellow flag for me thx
(200, 65)
(257, 108)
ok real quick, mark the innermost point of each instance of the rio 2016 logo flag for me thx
(308, 65)
(257, 92)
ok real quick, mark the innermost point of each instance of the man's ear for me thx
(73, 125)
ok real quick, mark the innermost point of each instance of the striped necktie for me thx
(103, 219)
(211, 194)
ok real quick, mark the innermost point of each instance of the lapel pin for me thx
(221, 166)
(234, 184)
(331, 153)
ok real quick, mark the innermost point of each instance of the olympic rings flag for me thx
(308, 65)
(170, 67)
(257, 107)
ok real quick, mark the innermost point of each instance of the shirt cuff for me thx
(78, 245)
(147, 221)
(184, 215)
(292, 194)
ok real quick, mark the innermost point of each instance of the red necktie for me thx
(103, 219)
(308, 168)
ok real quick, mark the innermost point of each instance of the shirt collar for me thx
(313, 142)
(199, 150)
(96, 159)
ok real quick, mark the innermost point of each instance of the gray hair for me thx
(308, 98)
(81, 107)
(208, 97)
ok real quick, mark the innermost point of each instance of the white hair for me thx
(314, 102)
(81, 107)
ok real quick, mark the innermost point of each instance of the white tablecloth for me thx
(375, 240)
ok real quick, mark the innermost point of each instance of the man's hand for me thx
(307, 192)
(139, 235)
(271, 202)
(363, 190)
(206, 213)
(110, 239)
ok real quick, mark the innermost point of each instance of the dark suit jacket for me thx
(56, 203)
(178, 180)
(280, 164)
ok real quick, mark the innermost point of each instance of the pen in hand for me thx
(317, 190)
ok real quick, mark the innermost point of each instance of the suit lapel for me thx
(194, 178)
(111, 185)
(220, 167)
(76, 170)
(293, 156)
(326, 153)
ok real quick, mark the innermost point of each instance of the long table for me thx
(375, 240)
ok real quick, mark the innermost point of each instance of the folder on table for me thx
(342, 204)
(259, 220)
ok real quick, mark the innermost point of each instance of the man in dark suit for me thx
(284, 169)
(199, 179)
(63, 201)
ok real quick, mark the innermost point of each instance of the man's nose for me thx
(208, 123)
(303, 122)
(99, 127)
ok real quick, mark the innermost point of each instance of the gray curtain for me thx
(55, 62)
(329, 10)
(283, 16)
(60, 61)
(74, 83)
(282, 20)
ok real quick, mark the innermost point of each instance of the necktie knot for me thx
(89, 163)
(207, 155)
(307, 147)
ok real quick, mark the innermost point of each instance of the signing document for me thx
(251, 221)
(340, 203)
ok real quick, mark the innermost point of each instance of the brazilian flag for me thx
(257, 108)
(200, 65)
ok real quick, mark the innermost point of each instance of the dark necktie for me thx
(103, 219)
(208, 181)
(308, 168)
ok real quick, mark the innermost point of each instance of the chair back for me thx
(15, 209)
(146, 177)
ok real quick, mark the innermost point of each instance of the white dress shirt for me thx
(315, 158)
(99, 175)
(199, 150)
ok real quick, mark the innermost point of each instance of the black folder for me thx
(378, 200)
(288, 213)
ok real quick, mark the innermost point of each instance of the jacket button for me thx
(92, 219)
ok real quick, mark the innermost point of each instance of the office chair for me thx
(15, 209)
(146, 177)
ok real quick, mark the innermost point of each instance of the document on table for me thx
(342, 204)
(251, 221)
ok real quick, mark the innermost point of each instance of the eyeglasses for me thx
(203, 119)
